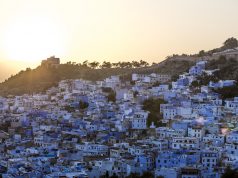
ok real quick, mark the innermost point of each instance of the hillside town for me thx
(81, 129)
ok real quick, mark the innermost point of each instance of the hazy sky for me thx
(76, 30)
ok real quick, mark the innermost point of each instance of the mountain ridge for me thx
(42, 77)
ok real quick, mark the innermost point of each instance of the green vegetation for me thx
(225, 67)
(230, 43)
(144, 175)
(83, 105)
(227, 92)
(156, 84)
(111, 96)
(40, 79)
(107, 89)
(204, 79)
(153, 106)
(228, 68)
(69, 108)
(230, 173)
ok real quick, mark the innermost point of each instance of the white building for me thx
(112, 81)
(185, 112)
(139, 120)
(209, 159)
(151, 78)
(214, 138)
(92, 149)
(169, 112)
(164, 132)
(232, 151)
(232, 137)
(185, 142)
(196, 131)
(167, 172)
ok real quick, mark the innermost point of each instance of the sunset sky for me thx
(113, 30)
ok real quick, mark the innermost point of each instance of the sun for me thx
(32, 39)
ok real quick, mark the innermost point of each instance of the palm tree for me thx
(135, 64)
(143, 63)
(115, 64)
(121, 64)
(125, 64)
(106, 64)
(85, 63)
(94, 64)
(128, 65)
(118, 64)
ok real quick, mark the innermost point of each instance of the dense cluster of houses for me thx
(74, 131)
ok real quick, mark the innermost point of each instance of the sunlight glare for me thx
(31, 40)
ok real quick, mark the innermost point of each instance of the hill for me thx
(42, 78)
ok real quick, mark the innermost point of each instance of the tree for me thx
(174, 77)
(69, 108)
(115, 64)
(135, 64)
(153, 106)
(83, 105)
(143, 63)
(114, 176)
(230, 43)
(133, 175)
(128, 65)
(156, 84)
(85, 63)
(227, 92)
(105, 176)
(204, 79)
(230, 173)
(107, 89)
(125, 65)
(111, 96)
(144, 175)
(201, 53)
(195, 83)
(147, 175)
(94, 64)
(106, 64)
